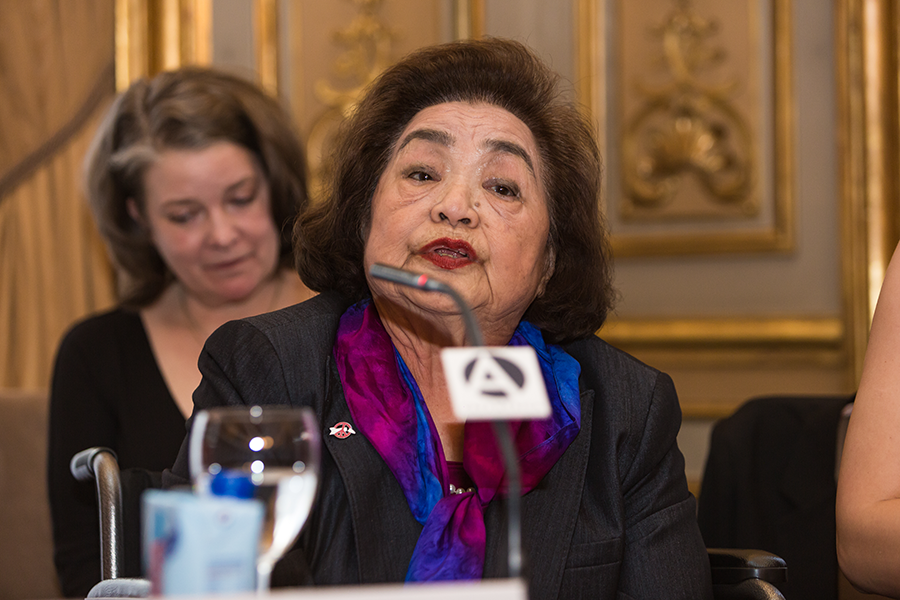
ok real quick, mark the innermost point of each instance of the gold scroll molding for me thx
(724, 332)
(156, 35)
(731, 344)
(869, 111)
(594, 78)
(730, 341)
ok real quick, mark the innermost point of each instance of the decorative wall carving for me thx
(695, 104)
(368, 42)
(687, 127)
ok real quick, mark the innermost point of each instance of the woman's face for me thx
(209, 215)
(462, 200)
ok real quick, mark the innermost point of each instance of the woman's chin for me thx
(234, 294)
(428, 304)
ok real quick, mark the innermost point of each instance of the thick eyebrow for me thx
(230, 189)
(252, 178)
(429, 135)
(511, 148)
(445, 139)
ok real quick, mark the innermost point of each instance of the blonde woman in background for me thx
(194, 178)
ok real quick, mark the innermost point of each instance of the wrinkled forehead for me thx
(486, 125)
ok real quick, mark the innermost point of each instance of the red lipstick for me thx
(449, 253)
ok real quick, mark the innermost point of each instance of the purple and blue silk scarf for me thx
(388, 409)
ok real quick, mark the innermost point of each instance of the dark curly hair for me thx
(329, 239)
(189, 108)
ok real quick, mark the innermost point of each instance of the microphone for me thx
(501, 428)
(407, 278)
(420, 281)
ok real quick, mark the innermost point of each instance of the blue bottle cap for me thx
(232, 483)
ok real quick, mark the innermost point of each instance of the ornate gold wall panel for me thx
(367, 49)
(692, 175)
(752, 347)
(688, 150)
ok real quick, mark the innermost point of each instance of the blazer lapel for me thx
(384, 528)
(549, 514)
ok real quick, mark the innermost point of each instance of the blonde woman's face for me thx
(209, 215)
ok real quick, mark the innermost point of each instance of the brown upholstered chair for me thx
(26, 542)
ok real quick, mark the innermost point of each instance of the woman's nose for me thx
(223, 230)
(457, 206)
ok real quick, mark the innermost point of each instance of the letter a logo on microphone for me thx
(494, 377)
(495, 383)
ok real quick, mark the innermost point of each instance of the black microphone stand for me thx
(501, 428)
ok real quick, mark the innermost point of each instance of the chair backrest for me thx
(769, 483)
(26, 541)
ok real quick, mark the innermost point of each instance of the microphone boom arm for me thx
(501, 428)
(423, 282)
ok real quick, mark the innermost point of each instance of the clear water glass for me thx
(278, 449)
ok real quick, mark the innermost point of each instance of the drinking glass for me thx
(277, 448)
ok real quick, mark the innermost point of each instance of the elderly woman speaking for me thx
(464, 163)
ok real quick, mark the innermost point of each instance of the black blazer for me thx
(612, 519)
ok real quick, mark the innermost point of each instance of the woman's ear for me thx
(134, 212)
